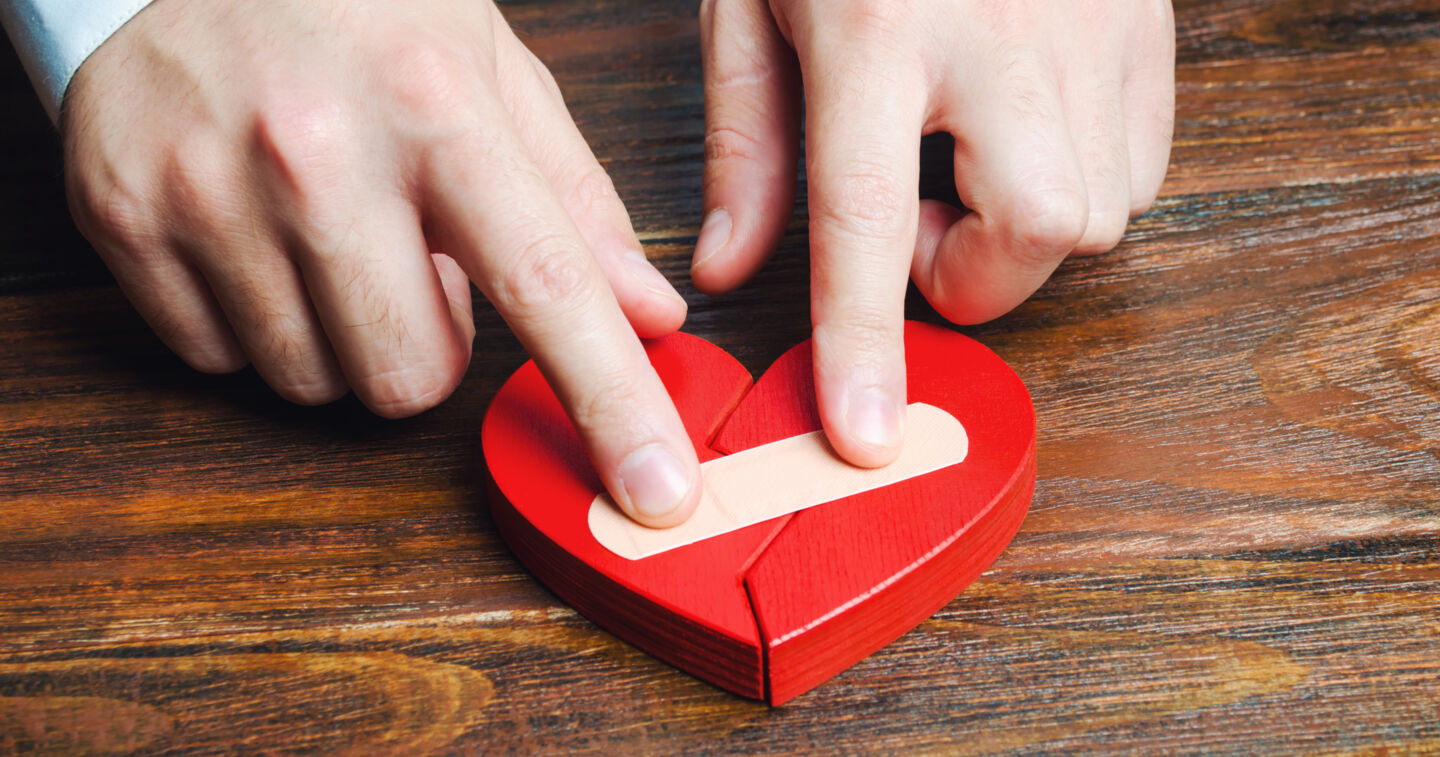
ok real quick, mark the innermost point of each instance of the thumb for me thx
(752, 141)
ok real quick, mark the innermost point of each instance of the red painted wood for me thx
(836, 582)
(828, 590)
(686, 607)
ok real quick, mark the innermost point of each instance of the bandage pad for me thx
(773, 608)
(780, 478)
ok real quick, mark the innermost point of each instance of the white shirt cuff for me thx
(53, 37)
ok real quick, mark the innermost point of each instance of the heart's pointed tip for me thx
(725, 636)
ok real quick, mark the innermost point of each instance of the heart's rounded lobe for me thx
(687, 607)
(772, 609)
(845, 578)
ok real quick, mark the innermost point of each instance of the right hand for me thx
(1062, 114)
(271, 181)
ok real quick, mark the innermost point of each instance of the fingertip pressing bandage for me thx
(782, 477)
(53, 37)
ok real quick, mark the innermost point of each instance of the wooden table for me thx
(1233, 545)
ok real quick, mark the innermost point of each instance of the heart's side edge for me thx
(775, 673)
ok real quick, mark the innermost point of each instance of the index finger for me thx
(497, 215)
(862, 163)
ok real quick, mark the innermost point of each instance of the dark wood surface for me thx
(1233, 545)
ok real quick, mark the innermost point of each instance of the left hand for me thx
(1062, 115)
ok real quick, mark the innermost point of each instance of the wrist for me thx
(53, 37)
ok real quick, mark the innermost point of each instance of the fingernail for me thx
(714, 235)
(654, 480)
(873, 418)
(645, 273)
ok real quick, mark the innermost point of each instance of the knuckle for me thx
(873, 19)
(115, 213)
(431, 83)
(172, 330)
(547, 275)
(213, 360)
(334, 241)
(107, 210)
(198, 180)
(309, 390)
(305, 140)
(543, 74)
(1149, 167)
(723, 143)
(1103, 231)
(201, 348)
(741, 70)
(292, 362)
(207, 355)
(308, 380)
(1045, 225)
(862, 336)
(1159, 17)
(870, 327)
(405, 391)
(465, 168)
(1141, 202)
(592, 191)
(146, 254)
(998, 14)
(865, 201)
(607, 404)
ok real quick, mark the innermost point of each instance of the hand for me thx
(273, 180)
(1061, 113)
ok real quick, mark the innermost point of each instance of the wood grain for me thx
(1233, 545)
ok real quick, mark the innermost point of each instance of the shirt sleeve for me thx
(53, 37)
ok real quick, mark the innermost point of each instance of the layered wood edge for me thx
(725, 661)
(798, 660)
(789, 663)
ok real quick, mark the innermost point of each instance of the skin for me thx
(311, 186)
(1062, 115)
(274, 181)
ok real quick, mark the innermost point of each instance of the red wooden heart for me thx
(773, 609)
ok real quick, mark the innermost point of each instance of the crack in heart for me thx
(775, 608)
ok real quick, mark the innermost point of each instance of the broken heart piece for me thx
(780, 478)
(772, 609)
